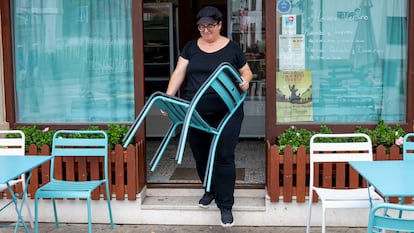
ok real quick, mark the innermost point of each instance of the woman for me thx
(198, 59)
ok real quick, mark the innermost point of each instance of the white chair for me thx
(14, 145)
(339, 148)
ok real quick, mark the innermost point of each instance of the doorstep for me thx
(187, 199)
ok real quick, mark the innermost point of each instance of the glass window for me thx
(246, 27)
(342, 61)
(73, 61)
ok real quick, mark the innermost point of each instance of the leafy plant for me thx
(116, 133)
(36, 136)
(383, 134)
(294, 137)
(39, 137)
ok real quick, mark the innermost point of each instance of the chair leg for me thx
(88, 201)
(36, 221)
(108, 200)
(55, 212)
(309, 213)
(210, 163)
(209, 170)
(163, 145)
(323, 219)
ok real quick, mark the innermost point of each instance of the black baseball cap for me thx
(209, 15)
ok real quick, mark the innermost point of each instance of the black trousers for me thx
(224, 171)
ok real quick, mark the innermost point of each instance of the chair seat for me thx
(348, 198)
(67, 189)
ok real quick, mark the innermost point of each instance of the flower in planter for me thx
(399, 141)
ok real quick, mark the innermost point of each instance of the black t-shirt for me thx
(201, 66)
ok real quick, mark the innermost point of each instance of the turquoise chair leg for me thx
(55, 211)
(88, 201)
(36, 221)
(183, 140)
(108, 201)
(163, 145)
(210, 164)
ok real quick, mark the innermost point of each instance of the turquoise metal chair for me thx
(408, 146)
(386, 216)
(73, 143)
(224, 81)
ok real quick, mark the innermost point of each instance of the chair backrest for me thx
(339, 148)
(408, 147)
(398, 218)
(12, 142)
(76, 143)
(224, 80)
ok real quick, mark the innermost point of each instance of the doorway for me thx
(251, 149)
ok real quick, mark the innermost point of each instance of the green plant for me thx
(383, 134)
(294, 137)
(40, 137)
(36, 136)
(115, 134)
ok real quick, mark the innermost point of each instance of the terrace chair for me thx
(327, 149)
(69, 145)
(379, 221)
(224, 81)
(408, 146)
(14, 146)
(408, 151)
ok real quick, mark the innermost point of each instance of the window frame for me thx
(273, 129)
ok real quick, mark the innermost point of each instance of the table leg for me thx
(19, 210)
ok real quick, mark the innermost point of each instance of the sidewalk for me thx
(104, 228)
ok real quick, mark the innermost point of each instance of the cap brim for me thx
(207, 20)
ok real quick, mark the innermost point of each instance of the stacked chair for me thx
(225, 82)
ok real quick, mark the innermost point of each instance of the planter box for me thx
(288, 173)
(125, 178)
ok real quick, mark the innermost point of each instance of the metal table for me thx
(11, 167)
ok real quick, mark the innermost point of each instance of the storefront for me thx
(94, 62)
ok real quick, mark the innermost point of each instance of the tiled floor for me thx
(250, 155)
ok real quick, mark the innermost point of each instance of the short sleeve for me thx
(185, 53)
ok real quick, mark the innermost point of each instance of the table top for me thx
(11, 167)
(391, 178)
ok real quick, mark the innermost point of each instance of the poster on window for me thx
(294, 96)
(289, 24)
(291, 52)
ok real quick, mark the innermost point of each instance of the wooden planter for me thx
(126, 178)
(288, 173)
